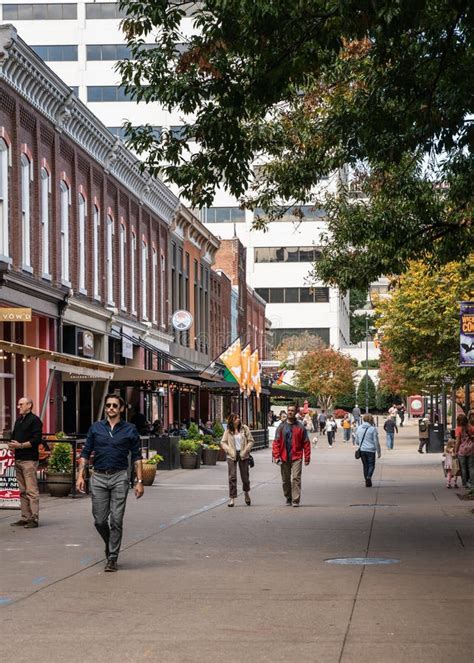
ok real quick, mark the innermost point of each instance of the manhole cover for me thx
(372, 505)
(362, 561)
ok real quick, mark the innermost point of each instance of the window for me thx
(120, 132)
(108, 52)
(133, 251)
(104, 10)
(95, 249)
(45, 192)
(144, 280)
(98, 93)
(291, 254)
(294, 295)
(4, 232)
(40, 11)
(110, 260)
(306, 295)
(82, 213)
(64, 204)
(291, 295)
(277, 295)
(123, 242)
(26, 176)
(162, 291)
(177, 131)
(154, 276)
(56, 53)
(281, 334)
(222, 215)
(292, 215)
(288, 254)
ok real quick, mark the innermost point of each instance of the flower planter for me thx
(209, 456)
(58, 484)
(188, 461)
(148, 474)
(221, 455)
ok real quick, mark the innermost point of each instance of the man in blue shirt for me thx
(111, 440)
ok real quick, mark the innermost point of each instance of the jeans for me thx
(28, 484)
(368, 463)
(244, 474)
(347, 434)
(466, 464)
(291, 479)
(330, 434)
(109, 497)
(390, 438)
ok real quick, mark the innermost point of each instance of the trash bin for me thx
(435, 439)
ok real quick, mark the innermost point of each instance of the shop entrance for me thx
(78, 407)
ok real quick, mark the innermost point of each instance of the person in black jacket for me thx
(26, 437)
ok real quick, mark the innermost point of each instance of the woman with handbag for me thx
(367, 440)
(464, 451)
(237, 442)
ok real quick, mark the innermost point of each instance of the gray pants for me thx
(109, 497)
(466, 464)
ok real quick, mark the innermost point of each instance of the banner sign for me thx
(15, 315)
(466, 342)
(9, 491)
(416, 406)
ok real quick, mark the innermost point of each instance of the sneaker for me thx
(31, 524)
(368, 483)
(111, 566)
(18, 523)
(288, 501)
(448, 485)
(295, 504)
(420, 451)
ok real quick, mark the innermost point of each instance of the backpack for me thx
(466, 448)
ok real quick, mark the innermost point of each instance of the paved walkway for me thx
(203, 583)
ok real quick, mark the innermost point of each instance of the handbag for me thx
(357, 451)
(466, 448)
(251, 461)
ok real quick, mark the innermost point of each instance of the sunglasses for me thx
(115, 406)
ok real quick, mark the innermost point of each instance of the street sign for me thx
(9, 490)
(182, 320)
(15, 314)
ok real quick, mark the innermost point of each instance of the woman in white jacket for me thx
(237, 442)
(367, 440)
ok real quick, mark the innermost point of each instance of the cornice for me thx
(30, 77)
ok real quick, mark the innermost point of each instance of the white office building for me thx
(81, 41)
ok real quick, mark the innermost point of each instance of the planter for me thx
(221, 455)
(58, 484)
(148, 474)
(209, 456)
(188, 461)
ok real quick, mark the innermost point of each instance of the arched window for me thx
(95, 249)
(65, 200)
(4, 226)
(109, 259)
(144, 280)
(26, 173)
(123, 242)
(133, 252)
(154, 276)
(45, 193)
(82, 213)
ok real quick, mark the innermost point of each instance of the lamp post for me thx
(366, 363)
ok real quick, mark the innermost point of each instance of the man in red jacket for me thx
(290, 445)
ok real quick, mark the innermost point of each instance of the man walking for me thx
(356, 414)
(111, 440)
(290, 445)
(26, 437)
(390, 427)
(322, 418)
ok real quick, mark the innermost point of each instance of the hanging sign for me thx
(466, 342)
(127, 344)
(9, 490)
(15, 314)
(182, 320)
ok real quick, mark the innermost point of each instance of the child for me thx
(451, 464)
(353, 432)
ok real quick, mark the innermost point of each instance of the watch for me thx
(139, 481)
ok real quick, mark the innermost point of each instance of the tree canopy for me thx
(276, 96)
(327, 374)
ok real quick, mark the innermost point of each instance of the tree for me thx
(420, 322)
(361, 393)
(380, 90)
(357, 299)
(393, 377)
(325, 373)
(293, 347)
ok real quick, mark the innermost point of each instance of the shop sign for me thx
(182, 320)
(416, 406)
(15, 314)
(86, 344)
(127, 344)
(466, 341)
(9, 490)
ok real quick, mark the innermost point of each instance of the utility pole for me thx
(366, 363)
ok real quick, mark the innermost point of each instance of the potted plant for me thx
(218, 432)
(59, 472)
(210, 453)
(149, 467)
(188, 453)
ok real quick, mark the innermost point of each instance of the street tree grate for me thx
(362, 561)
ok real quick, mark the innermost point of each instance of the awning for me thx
(287, 393)
(133, 374)
(63, 362)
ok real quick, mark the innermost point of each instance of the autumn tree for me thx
(378, 90)
(294, 347)
(325, 373)
(419, 323)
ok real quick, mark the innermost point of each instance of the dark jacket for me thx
(300, 444)
(28, 429)
(390, 426)
(112, 447)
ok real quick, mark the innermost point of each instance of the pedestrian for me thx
(423, 433)
(393, 411)
(308, 423)
(290, 446)
(26, 437)
(390, 427)
(322, 418)
(346, 428)
(450, 462)
(465, 450)
(367, 440)
(111, 440)
(237, 442)
(401, 414)
(282, 416)
(354, 428)
(356, 414)
(331, 427)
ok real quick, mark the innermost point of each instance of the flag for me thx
(231, 359)
(245, 383)
(255, 373)
(279, 377)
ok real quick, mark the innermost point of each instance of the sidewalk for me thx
(201, 582)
